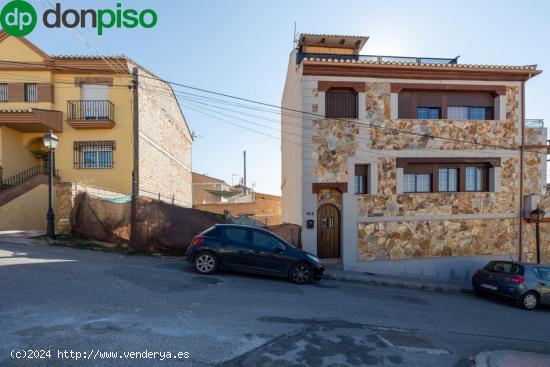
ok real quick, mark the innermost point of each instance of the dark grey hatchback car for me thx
(527, 284)
(252, 250)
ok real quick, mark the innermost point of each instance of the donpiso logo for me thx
(18, 18)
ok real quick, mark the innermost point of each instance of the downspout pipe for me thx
(521, 201)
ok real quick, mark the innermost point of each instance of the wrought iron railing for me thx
(90, 110)
(376, 58)
(534, 123)
(25, 175)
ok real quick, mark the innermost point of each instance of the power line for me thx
(339, 119)
(369, 125)
(359, 137)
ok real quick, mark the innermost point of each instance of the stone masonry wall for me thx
(390, 204)
(339, 140)
(400, 240)
(460, 132)
(335, 144)
(165, 144)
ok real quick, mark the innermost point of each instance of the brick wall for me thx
(265, 208)
(164, 144)
(201, 183)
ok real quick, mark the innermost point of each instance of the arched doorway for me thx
(40, 152)
(328, 232)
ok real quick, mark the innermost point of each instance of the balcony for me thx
(32, 120)
(375, 58)
(534, 123)
(90, 114)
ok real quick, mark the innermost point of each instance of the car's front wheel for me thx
(300, 273)
(206, 262)
(528, 301)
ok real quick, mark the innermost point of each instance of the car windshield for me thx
(542, 273)
(504, 267)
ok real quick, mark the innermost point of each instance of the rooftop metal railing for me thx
(534, 123)
(377, 58)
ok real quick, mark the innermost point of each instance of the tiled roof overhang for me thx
(332, 67)
(32, 120)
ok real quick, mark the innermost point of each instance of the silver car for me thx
(527, 284)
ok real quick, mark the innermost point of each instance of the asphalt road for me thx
(58, 299)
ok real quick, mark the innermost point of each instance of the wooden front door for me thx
(328, 231)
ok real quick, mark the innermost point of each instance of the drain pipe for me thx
(521, 201)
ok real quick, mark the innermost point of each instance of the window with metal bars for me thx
(3, 92)
(94, 154)
(31, 92)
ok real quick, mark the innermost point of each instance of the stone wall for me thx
(164, 144)
(471, 223)
(529, 233)
(452, 134)
(415, 239)
(336, 142)
(390, 204)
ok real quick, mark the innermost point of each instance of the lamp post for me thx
(50, 142)
(536, 216)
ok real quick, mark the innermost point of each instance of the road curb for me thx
(510, 358)
(397, 283)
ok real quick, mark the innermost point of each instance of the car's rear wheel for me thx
(300, 273)
(479, 292)
(206, 262)
(528, 301)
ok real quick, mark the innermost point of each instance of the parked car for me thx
(527, 284)
(253, 250)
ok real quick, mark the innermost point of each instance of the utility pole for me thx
(244, 177)
(135, 171)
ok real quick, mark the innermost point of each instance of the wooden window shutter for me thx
(16, 92)
(341, 103)
(45, 92)
(361, 169)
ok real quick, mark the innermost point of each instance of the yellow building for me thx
(88, 102)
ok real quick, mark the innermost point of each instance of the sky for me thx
(241, 48)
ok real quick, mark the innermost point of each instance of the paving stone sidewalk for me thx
(396, 281)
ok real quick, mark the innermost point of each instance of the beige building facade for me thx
(404, 165)
(87, 101)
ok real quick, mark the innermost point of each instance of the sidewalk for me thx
(428, 284)
(511, 358)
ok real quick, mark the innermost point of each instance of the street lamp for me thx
(536, 216)
(50, 141)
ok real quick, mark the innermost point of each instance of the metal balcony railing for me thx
(25, 175)
(377, 58)
(90, 110)
(534, 123)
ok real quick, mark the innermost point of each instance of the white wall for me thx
(291, 145)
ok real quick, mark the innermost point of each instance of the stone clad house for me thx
(405, 165)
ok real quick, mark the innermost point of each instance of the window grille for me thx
(93, 154)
